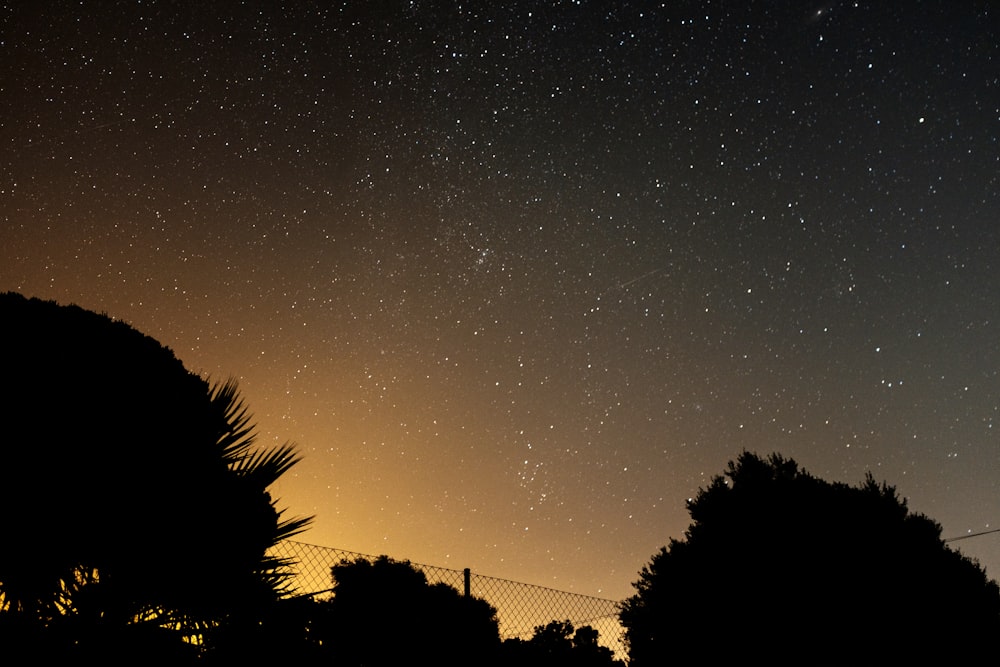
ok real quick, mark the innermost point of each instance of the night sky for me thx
(520, 277)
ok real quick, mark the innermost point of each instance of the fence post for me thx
(468, 577)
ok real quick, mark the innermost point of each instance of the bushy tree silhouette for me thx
(135, 503)
(557, 644)
(384, 612)
(785, 568)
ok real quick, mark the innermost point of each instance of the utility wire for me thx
(965, 537)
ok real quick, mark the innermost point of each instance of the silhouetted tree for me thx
(785, 568)
(135, 504)
(558, 645)
(384, 612)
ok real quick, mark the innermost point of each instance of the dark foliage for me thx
(134, 503)
(558, 645)
(384, 612)
(782, 567)
(279, 633)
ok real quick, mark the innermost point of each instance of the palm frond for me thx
(259, 468)
(264, 467)
(289, 528)
(278, 575)
(236, 436)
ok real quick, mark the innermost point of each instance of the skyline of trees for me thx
(139, 525)
(138, 521)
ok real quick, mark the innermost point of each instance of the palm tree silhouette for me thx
(259, 469)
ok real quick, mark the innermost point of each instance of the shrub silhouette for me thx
(135, 503)
(557, 644)
(384, 612)
(783, 567)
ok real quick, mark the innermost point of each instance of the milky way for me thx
(519, 280)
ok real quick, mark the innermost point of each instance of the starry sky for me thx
(520, 277)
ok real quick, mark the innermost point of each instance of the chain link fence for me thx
(520, 607)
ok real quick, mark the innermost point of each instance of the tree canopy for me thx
(784, 567)
(133, 492)
(385, 612)
(558, 644)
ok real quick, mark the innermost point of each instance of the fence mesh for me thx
(520, 607)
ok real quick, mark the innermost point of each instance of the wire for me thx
(965, 537)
